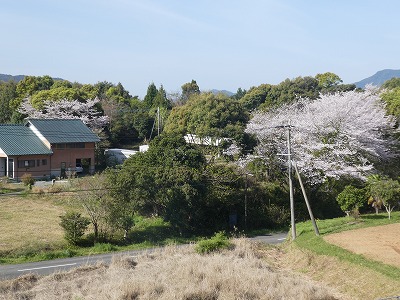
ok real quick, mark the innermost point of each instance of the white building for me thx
(117, 156)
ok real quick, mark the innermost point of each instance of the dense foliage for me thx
(173, 180)
(338, 133)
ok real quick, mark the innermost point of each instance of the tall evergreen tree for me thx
(151, 94)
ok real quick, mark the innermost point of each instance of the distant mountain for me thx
(228, 93)
(379, 78)
(17, 78)
(6, 77)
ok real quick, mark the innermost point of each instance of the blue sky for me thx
(220, 44)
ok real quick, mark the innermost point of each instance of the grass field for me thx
(31, 231)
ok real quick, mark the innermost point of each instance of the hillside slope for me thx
(378, 78)
(6, 77)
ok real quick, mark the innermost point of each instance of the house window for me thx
(26, 163)
(38, 162)
(44, 162)
(76, 145)
(69, 145)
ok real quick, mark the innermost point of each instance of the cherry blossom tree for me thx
(66, 109)
(334, 135)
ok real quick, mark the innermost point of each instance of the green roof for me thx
(64, 130)
(20, 140)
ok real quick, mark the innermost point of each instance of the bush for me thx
(28, 180)
(54, 189)
(74, 226)
(218, 242)
(351, 199)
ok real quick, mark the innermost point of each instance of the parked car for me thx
(78, 168)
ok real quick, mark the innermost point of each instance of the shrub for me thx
(74, 226)
(28, 180)
(37, 190)
(55, 189)
(218, 242)
(351, 199)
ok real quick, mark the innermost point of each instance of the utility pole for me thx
(289, 162)
(292, 219)
(306, 200)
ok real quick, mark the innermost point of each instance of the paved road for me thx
(61, 264)
(274, 238)
(65, 264)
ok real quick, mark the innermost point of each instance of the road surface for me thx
(65, 264)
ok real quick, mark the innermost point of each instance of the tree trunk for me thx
(96, 232)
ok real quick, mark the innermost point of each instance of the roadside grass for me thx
(172, 273)
(307, 239)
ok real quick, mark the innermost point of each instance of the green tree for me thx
(167, 180)
(267, 96)
(255, 97)
(7, 94)
(150, 95)
(392, 101)
(61, 83)
(57, 94)
(91, 91)
(94, 200)
(189, 89)
(118, 93)
(239, 94)
(209, 115)
(351, 199)
(327, 80)
(161, 100)
(74, 226)
(130, 122)
(391, 83)
(101, 88)
(32, 84)
(384, 190)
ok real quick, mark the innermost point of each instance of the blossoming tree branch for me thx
(334, 135)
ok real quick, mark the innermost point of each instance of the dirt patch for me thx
(379, 243)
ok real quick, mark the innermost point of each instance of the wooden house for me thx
(46, 148)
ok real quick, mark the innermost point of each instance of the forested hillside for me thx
(340, 137)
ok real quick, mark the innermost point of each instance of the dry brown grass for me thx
(357, 282)
(29, 221)
(173, 273)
